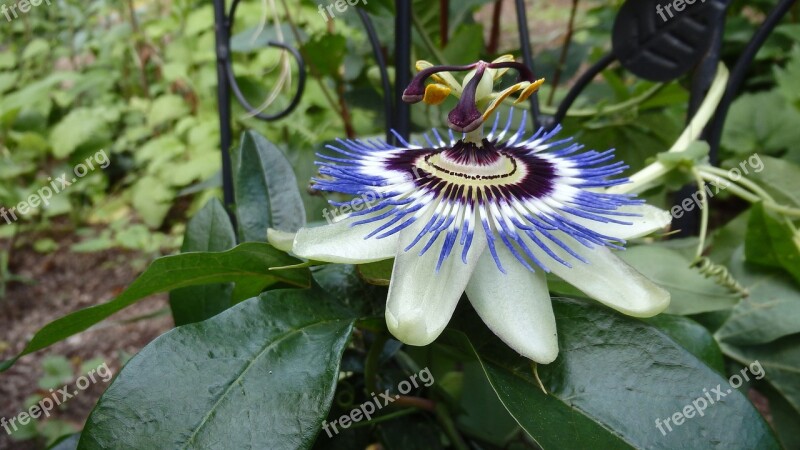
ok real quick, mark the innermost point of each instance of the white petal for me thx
(282, 240)
(608, 279)
(650, 219)
(421, 301)
(341, 243)
(515, 305)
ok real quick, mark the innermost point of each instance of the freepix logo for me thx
(59, 184)
(377, 402)
(677, 5)
(24, 7)
(340, 5)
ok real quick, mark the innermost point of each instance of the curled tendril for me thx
(720, 274)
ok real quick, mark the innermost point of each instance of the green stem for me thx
(725, 184)
(758, 190)
(384, 418)
(593, 112)
(757, 195)
(373, 360)
(701, 188)
(641, 180)
(449, 427)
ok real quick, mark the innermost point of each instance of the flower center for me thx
(471, 164)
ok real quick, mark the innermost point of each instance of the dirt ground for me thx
(60, 283)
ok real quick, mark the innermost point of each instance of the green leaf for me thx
(35, 48)
(246, 265)
(326, 52)
(266, 192)
(78, 127)
(696, 152)
(780, 361)
(167, 108)
(693, 337)
(691, 292)
(152, 199)
(781, 180)
(614, 377)
(69, 442)
(260, 375)
(209, 231)
(57, 371)
(768, 313)
(763, 122)
(466, 44)
(771, 242)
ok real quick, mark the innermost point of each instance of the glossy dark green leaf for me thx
(266, 190)
(693, 337)
(69, 442)
(246, 265)
(260, 375)
(780, 361)
(614, 377)
(209, 231)
(771, 242)
(770, 311)
(342, 282)
(484, 416)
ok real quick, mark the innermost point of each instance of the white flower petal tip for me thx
(650, 219)
(411, 328)
(516, 306)
(281, 240)
(421, 300)
(342, 243)
(608, 279)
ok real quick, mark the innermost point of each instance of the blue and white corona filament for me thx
(488, 215)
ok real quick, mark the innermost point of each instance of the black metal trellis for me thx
(398, 114)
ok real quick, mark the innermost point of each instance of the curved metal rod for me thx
(402, 67)
(381, 61)
(237, 92)
(714, 131)
(527, 54)
(580, 85)
(301, 85)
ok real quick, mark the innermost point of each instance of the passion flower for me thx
(486, 215)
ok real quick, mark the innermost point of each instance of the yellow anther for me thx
(502, 96)
(436, 93)
(528, 91)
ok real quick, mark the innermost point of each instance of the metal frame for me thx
(398, 113)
